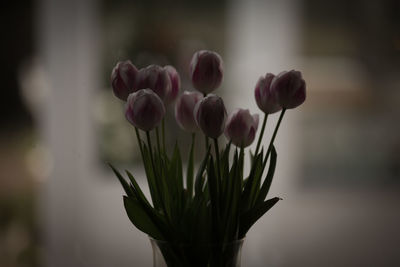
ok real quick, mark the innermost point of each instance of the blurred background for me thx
(338, 154)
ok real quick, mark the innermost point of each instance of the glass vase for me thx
(166, 254)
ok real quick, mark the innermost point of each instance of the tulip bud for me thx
(184, 110)
(289, 89)
(206, 71)
(156, 78)
(175, 84)
(123, 78)
(266, 101)
(241, 127)
(144, 109)
(210, 114)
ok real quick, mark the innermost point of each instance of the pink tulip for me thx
(266, 101)
(144, 109)
(123, 78)
(156, 78)
(175, 84)
(289, 89)
(206, 71)
(184, 110)
(210, 114)
(241, 127)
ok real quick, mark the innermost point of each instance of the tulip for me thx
(156, 78)
(241, 127)
(184, 110)
(266, 101)
(289, 89)
(172, 94)
(210, 114)
(206, 71)
(144, 109)
(123, 78)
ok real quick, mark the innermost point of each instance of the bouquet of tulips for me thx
(217, 203)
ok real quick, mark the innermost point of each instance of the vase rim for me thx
(238, 241)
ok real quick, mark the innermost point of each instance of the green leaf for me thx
(140, 218)
(176, 169)
(199, 221)
(139, 193)
(248, 218)
(252, 181)
(125, 185)
(232, 212)
(212, 181)
(165, 187)
(153, 187)
(268, 179)
(199, 177)
(174, 180)
(153, 213)
(229, 191)
(190, 167)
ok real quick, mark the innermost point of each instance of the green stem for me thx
(218, 163)
(217, 222)
(163, 134)
(139, 141)
(193, 140)
(274, 135)
(241, 157)
(151, 153)
(206, 141)
(158, 141)
(261, 134)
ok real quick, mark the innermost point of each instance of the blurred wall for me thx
(84, 222)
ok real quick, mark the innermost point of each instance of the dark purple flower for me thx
(175, 84)
(241, 127)
(144, 109)
(206, 71)
(184, 110)
(123, 78)
(289, 89)
(210, 114)
(156, 78)
(266, 101)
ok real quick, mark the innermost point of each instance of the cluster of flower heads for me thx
(149, 91)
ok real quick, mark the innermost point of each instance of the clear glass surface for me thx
(166, 254)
